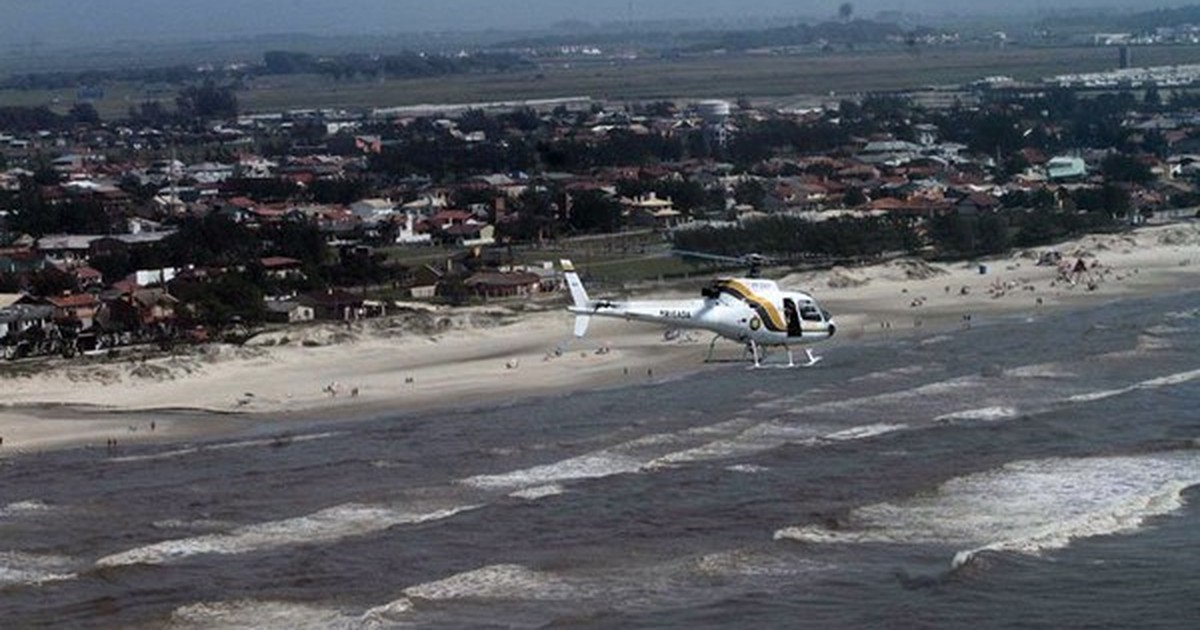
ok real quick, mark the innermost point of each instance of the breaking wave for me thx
(985, 414)
(331, 524)
(24, 508)
(25, 569)
(266, 615)
(498, 581)
(1027, 507)
(603, 463)
(1169, 380)
(864, 432)
(281, 440)
(538, 492)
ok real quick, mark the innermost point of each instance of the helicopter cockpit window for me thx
(811, 314)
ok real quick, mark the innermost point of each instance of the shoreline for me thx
(479, 357)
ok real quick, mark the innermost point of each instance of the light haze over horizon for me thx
(90, 22)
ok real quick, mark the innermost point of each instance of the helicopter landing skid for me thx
(753, 349)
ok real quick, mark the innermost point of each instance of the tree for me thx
(845, 11)
(150, 113)
(84, 113)
(223, 301)
(207, 101)
(1152, 99)
(854, 197)
(1118, 167)
(592, 210)
(750, 192)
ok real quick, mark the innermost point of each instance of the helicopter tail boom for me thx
(580, 304)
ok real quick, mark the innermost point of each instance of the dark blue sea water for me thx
(1026, 472)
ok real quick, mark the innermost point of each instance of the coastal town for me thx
(614, 314)
(179, 226)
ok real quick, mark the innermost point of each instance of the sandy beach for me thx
(485, 356)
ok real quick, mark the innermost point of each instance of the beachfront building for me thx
(1066, 168)
(650, 209)
(494, 284)
(289, 312)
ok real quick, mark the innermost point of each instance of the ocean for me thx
(1036, 471)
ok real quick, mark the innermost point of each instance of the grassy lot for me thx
(610, 260)
(691, 77)
(705, 77)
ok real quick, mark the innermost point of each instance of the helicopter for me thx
(752, 311)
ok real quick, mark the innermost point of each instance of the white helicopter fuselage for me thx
(747, 310)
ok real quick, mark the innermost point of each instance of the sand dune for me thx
(486, 356)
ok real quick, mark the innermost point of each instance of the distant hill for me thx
(1125, 22)
(853, 32)
(856, 32)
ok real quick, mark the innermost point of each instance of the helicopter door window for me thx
(811, 314)
(793, 319)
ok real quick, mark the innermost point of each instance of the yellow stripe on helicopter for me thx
(770, 315)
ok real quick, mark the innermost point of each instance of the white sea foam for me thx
(1028, 506)
(907, 370)
(864, 432)
(1169, 380)
(191, 450)
(26, 569)
(24, 508)
(538, 492)
(196, 524)
(1164, 330)
(388, 615)
(749, 469)
(637, 455)
(754, 439)
(746, 563)
(331, 524)
(1185, 315)
(1042, 370)
(937, 388)
(603, 463)
(984, 414)
(266, 615)
(498, 581)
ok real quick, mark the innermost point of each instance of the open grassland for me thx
(718, 76)
(729, 76)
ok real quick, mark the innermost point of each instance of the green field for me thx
(731, 76)
(705, 77)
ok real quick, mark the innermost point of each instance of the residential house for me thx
(449, 218)
(334, 304)
(889, 152)
(408, 233)
(650, 209)
(67, 249)
(17, 320)
(75, 309)
(425, 282)
(372, 210)
(496, 284)
(282, 267)
(21, 260)
(139, 309)
(87, 278)
(152, 277)
(976, 203)
(1066, 168)
(289, 312)
(470, 234)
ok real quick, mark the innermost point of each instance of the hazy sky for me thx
(57, 22)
